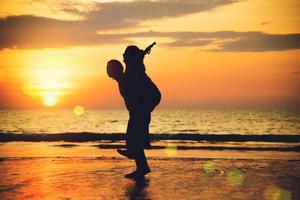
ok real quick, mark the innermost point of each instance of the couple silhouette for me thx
(141, 96)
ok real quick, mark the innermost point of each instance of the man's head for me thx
(114, 69)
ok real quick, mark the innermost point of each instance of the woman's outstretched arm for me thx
(148, 49)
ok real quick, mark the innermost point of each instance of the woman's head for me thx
(133, 54)
(114, 68)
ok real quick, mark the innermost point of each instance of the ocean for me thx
(164, 121)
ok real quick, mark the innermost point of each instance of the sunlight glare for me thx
(50, 99)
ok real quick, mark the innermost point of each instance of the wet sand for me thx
(81, 171)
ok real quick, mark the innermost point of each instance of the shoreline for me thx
(89, 137)
(167, 150)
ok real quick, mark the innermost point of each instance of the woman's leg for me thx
(128, 138)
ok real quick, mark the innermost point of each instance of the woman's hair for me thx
(134, 59)
(114, 68)
(134, 53)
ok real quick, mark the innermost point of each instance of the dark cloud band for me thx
(225, 40)
(29, 31)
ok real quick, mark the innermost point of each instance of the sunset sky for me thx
(210, 53)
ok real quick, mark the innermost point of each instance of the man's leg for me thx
(144, 141)
(137, 140)
(141, 162)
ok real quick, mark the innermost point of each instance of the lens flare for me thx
(235, 177)
(78, 110)
(276, 193)
(209, 167)
(171, 150)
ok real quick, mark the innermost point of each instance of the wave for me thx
(180, 147)
(89, 137)
(192, 147)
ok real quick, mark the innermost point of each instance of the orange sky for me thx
(219, 53)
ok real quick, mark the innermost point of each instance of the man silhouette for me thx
(141, 96)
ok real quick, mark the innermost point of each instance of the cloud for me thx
(127, 14)
(29, 31)
(71, 8)
(258, 41)
(39, 32)
(295, 73)
(222, 40)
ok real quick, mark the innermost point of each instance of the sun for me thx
(50, 99)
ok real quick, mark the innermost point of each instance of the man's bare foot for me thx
(144, 171)
(138, 174)
(125, 153)
(135, 175)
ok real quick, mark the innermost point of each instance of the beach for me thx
(61, 170)
(195, 154)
